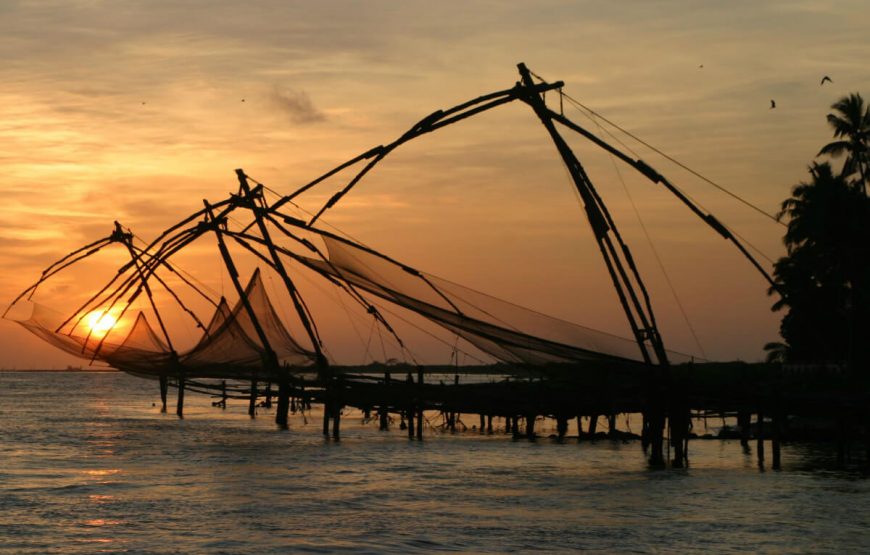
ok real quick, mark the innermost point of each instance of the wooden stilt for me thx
(383, 419)
(775, 433)
(281, 418)
(679, 427)
(561, 427)
(530, 427)
(267, 403)
(383, 410)
(409, 414)
(179, 407)
(489, 424)
(336, 422)
(657, 429)
(326, 408)
(593, 426)
(645, 433)
(482, 423)
(420, 404)
(744, 421)
(164, 387)
(579, 428)
(611, 426)
(759, 433)
(252, 398)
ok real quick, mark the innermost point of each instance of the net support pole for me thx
(164, 386)
(270, 359)
(383, 410)
(179, 406)
(645, 333)
(641, 319)
(420, 403)
(410, 408)
(278, 265)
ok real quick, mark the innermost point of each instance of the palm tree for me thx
(851, 123)
(777, 352)
(825, 277)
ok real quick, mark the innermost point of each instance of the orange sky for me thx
(133, 111)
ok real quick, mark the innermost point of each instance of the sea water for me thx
(88, 464)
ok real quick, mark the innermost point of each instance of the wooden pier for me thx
(764, 398)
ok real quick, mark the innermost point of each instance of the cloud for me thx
(297, 105)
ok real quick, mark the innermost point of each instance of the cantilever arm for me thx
(66, 261)
(432, 122)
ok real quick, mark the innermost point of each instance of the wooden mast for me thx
(270, 360)
(640, 318)
(278, 264)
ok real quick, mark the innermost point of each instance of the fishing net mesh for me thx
(230, 346)
(508, 332)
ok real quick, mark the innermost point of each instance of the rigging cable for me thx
(697, 174)
(655, 251)
(592, 114)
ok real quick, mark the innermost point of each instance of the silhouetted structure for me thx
(576, 371)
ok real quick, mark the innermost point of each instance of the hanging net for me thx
(230, 346)
(508, 332)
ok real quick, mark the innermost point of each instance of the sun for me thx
(100, 322)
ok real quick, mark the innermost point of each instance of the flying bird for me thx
(243, 100)
(701, 66)
(825, 78)
(772, 104)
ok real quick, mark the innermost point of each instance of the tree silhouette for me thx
(851, 124)
(825, 278)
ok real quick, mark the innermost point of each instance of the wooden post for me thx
(515, 426)
(252, 398)
(326, 408)
(530, 426)
(679, 425)
(744, 421)
(283, 407)
(267, 403)
(489, 424)
(420, 403)
(482, 423)
(645, 438)
(760, 436)
(383, 419)
(611, 426)
(223, 394)
(253, 197)
(383, 410)
(656, 435)
(164, 387)
(593, 426)
(579, 428)
(561, 427)
(410, 411)
(336, 421)
(179, 407)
